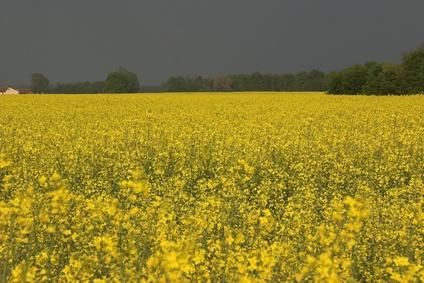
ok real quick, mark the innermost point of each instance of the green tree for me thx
(413, 71)
(176, 84)
(348, 81)
(122, 81)
(391, 79)
(372, 85)
(39, 83)
(387, 81)
(310, 81)
(335, 83)
(354, 78)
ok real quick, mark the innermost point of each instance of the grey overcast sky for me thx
(76, 40)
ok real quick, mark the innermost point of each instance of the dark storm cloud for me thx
(85, 39)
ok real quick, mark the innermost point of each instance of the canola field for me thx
(243, 187)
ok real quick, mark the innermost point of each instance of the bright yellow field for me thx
(211, 187)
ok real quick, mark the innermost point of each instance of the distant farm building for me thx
(10, 90)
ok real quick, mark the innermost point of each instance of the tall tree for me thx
(39, 83)
(413, 71)
(122, 81)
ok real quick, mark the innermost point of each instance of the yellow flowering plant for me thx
(248, 187)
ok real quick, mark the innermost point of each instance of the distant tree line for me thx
(381, 79)
(304, 81)
(79, 87)
(369, 78)
(123, 81)
(120, 81)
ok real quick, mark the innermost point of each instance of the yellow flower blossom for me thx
(253, 187)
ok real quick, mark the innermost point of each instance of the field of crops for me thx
(249, 187)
